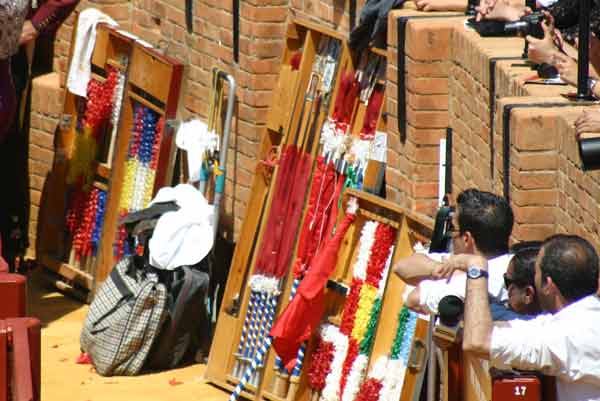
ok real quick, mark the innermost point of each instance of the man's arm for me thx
(413, 301)
(478, 318)
(48, 17)
(415, 268)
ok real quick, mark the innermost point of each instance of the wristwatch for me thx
(475, 272)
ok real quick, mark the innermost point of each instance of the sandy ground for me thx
(63, 379)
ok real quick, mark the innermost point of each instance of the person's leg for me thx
(8, 101)
(14, 206)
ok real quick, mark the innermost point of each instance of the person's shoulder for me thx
(500, 261)
(501, 312)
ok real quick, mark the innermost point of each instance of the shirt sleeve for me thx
(48, 17)
(529, 345)
(431, 292)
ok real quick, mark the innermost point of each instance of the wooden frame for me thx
(151, 79)
(53, 248)
(155, 82)
(284, 127)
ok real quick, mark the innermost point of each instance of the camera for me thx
(527, 25)
(441, 238)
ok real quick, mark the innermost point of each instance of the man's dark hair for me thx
(572, 264)
(488, 218)
(523, 262)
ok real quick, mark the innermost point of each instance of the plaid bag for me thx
(123, 320)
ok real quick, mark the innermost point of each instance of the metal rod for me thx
(583, 50)
(220, 184)
(431, 361)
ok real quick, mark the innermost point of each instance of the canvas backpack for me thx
(124, 319)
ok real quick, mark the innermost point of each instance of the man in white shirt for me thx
(481, 225)
(564, 343)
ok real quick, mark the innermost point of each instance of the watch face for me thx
(476, 272)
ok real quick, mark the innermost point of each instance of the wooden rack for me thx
(53, 244)
(150, 73)
(154, 82)
(283, 123)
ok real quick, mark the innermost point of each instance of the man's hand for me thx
(458, 262)
(567, 68)
(441, 5)
(498, 10)
(542, 50)
(28, 33)
(588, 121)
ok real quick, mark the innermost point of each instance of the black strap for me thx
(401, 34)
(506, 134)
(189, 15)
(492, 91)
(448, 167)
(115, 276)
(236, 31)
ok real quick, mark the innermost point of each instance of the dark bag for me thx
(124, 319)
(372, 27)
(186, 325)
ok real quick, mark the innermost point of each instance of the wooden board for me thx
(54, 245)
(286, 124)
(154, 81)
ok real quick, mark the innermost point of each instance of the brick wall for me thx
(412, 171)
(578, 191)
(162, 23)
(549, 192)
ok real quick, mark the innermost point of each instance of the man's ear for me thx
(549, 287)
(469, 241)
(529, 294)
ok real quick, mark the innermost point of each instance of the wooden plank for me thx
(106, 259)
(413, 379)
(477, 380)
(308, 56)
(150, 73)
(378, 51)
(392, 299)
(100, 47)
(146, 103)
(316, 27)
(67, 271)
(160, 77)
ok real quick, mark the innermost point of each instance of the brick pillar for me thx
(46, 108)
(412, 173)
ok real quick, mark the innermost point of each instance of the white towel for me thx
(80, 69)
(195, 138)
(183, 237)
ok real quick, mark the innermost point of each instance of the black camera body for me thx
(527, 25)
(441, 238)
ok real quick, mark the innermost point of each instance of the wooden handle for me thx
(418, 355)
